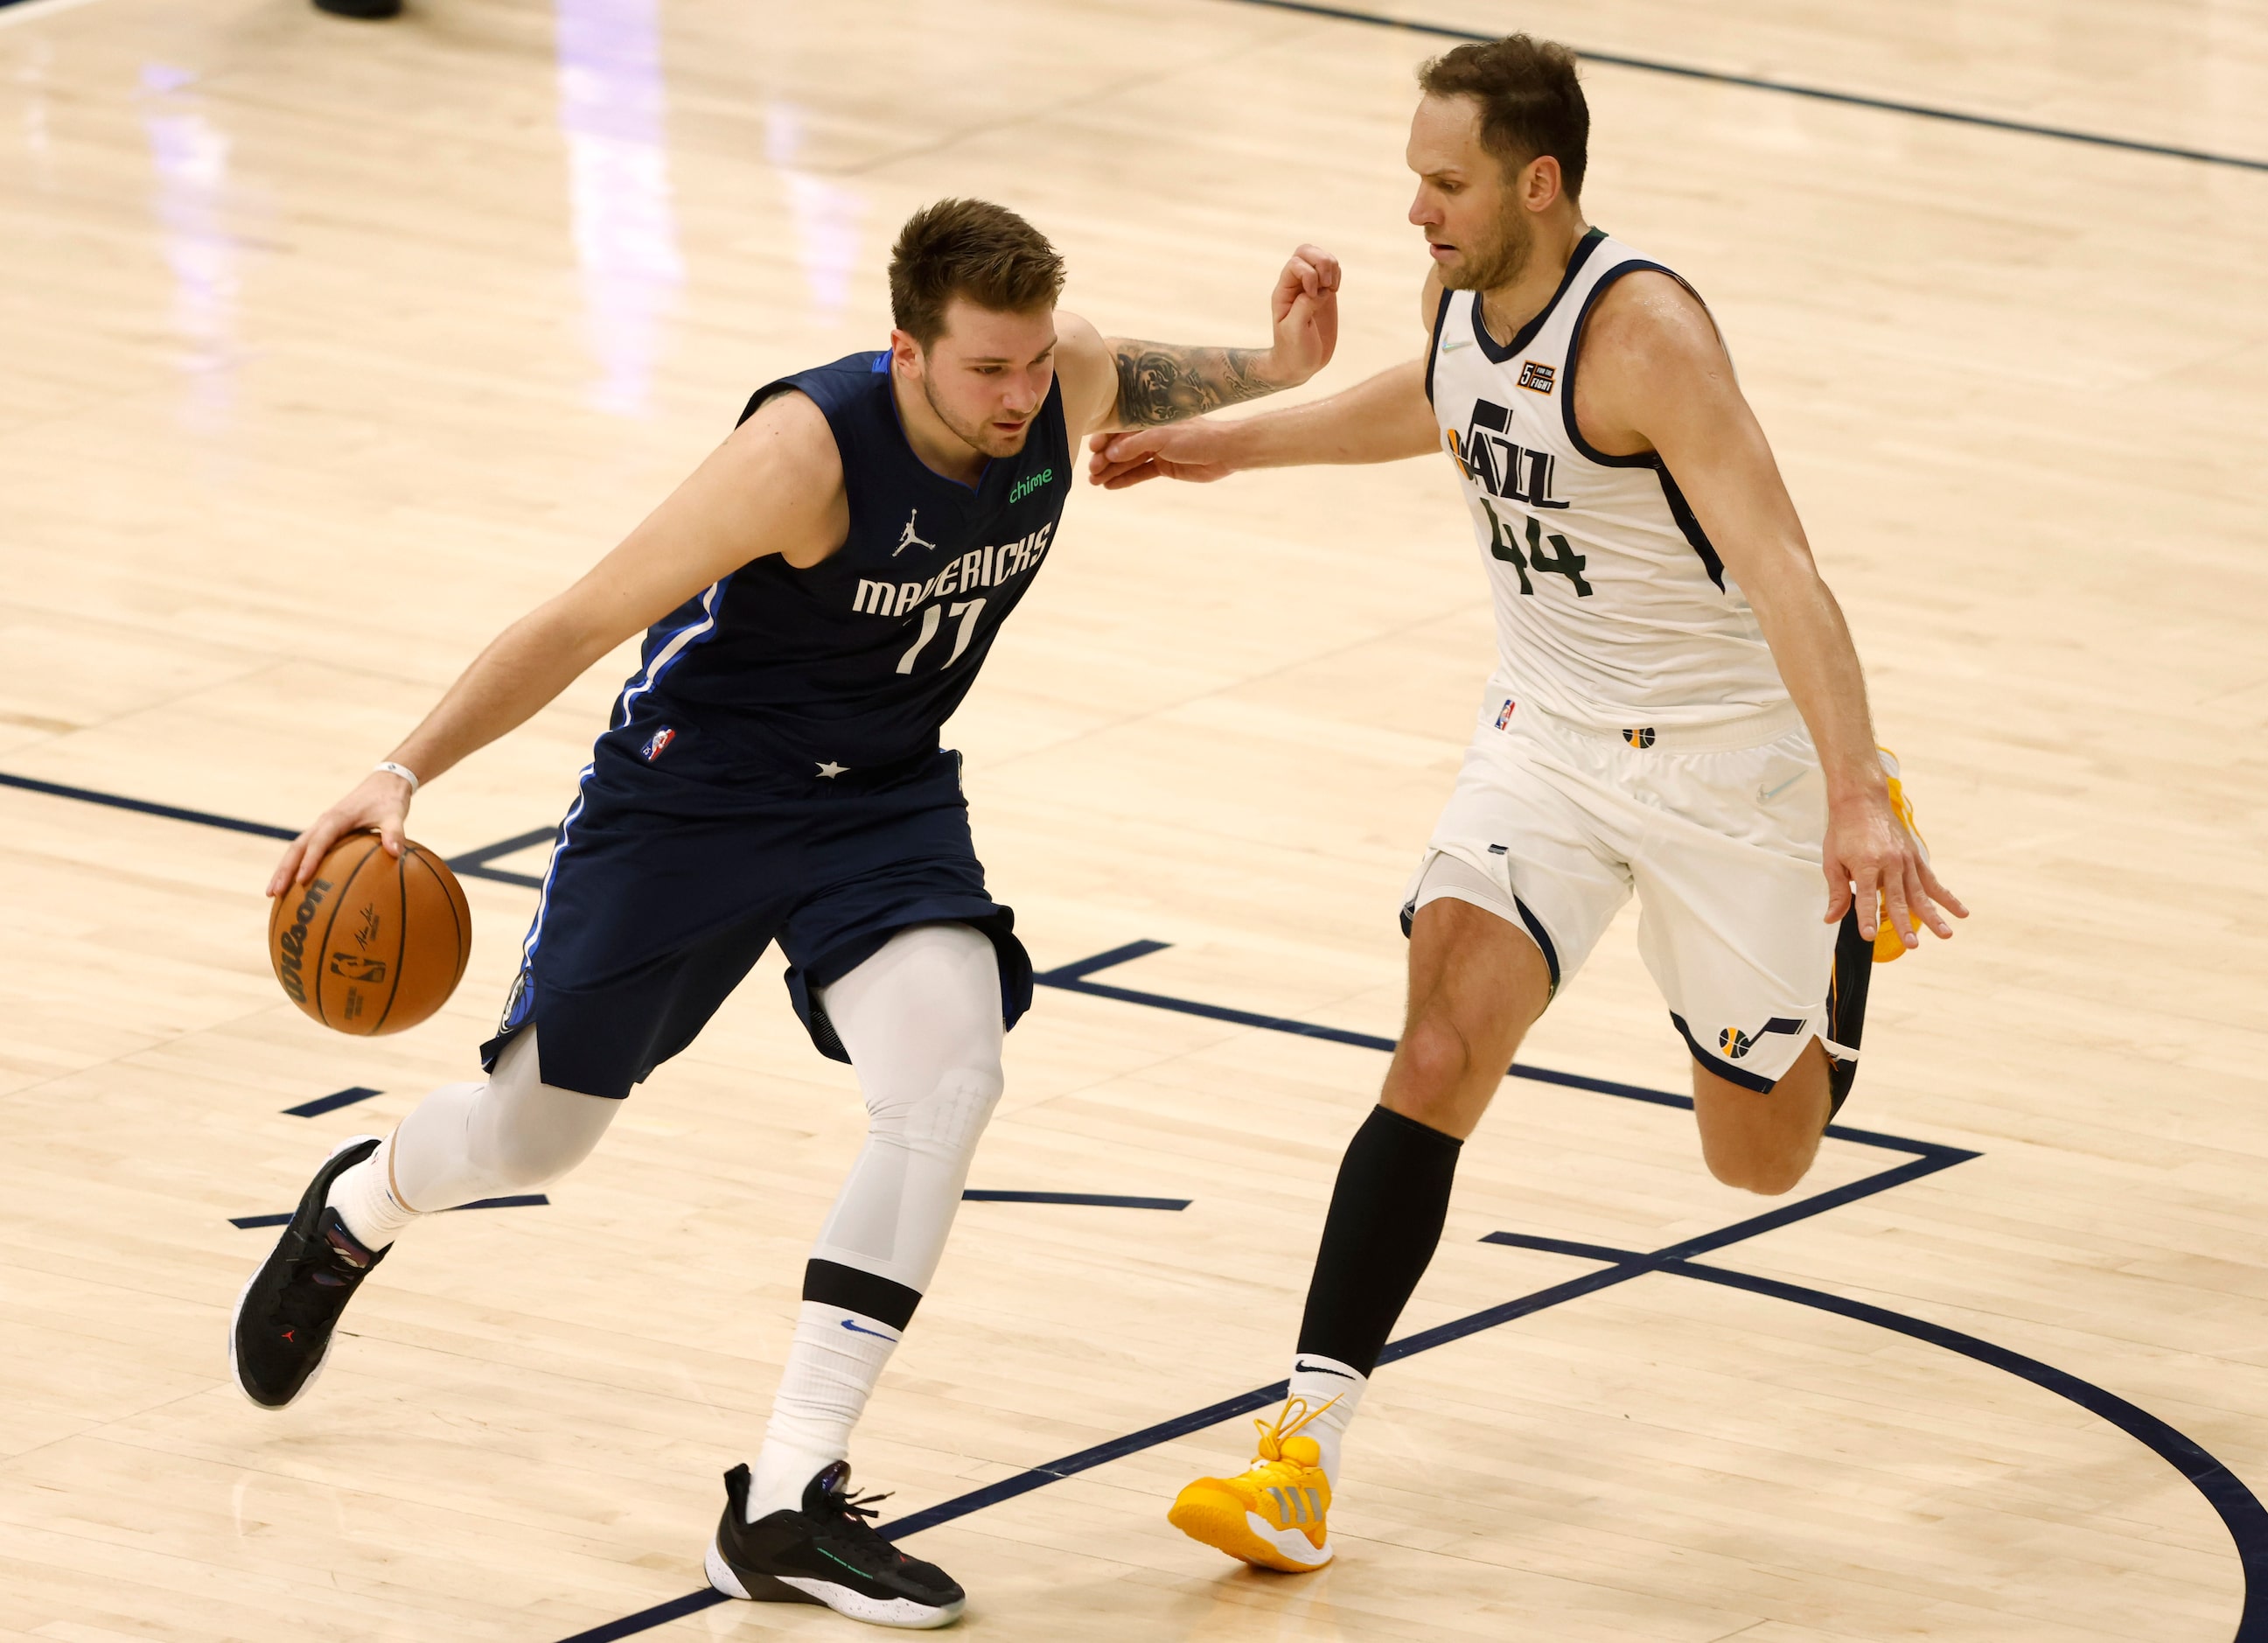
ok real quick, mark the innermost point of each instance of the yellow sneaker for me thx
(1273, 1512)
(1887, 943)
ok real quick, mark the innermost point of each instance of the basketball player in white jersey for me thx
(1677, 710)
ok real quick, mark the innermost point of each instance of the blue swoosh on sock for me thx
(877, 1334)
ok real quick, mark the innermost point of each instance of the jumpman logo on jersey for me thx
(911, 538)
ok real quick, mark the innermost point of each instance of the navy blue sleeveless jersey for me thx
(855, 662)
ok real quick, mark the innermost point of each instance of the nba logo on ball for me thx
(1504, 717)
(656, 744)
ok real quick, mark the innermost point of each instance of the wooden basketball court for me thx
(328, 348)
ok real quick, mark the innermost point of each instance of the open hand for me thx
(1196, 451)
(381, 802)
(1873, 862)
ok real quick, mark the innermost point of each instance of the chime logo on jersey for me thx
(1498, 465)
(656, 744)
(1736, 1043)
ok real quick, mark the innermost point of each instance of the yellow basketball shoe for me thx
(1272, 1514)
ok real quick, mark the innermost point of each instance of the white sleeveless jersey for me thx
(1612, 609)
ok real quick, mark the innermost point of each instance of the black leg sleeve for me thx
(1846, 1007)
(1387, 1212)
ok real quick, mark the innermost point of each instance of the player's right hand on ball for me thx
(1192, 450)
(382, 802)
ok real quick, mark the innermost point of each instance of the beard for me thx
(1502, 260)
(982, 438)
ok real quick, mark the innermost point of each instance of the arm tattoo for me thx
(1160, 383)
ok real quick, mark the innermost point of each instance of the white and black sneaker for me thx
(281, 1330)
(828, 1553)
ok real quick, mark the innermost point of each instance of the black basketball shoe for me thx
(281, 1331)
(828, 1553)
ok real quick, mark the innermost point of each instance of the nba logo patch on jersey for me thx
(656, 744)
(1537, 377)
(1505, 716)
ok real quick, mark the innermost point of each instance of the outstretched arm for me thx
(1120, 382)
(1654, 376)
(1381, 420)
(775, 486)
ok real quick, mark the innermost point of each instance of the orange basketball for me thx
(371, 943)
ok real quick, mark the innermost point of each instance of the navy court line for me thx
(1100, 1200)
(1073, 978)
(172, 813)
(1817, 93)
(1197, 1420)
(2240, 1510)
(475, 862)
(517, 1201)
(472, 864)
(330, 1103)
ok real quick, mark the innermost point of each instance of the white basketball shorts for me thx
(1718, 831)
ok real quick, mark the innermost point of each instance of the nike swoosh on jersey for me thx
(1462, 342)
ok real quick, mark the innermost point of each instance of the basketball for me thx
(371, 943)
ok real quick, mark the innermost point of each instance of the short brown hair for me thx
(970, 248)
(1531, 102)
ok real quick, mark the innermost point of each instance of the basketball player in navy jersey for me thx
(1677, 710)
(817, 599)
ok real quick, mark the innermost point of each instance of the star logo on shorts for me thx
(830, 769)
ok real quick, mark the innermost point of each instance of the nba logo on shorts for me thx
(1504, 717)
(656, 744)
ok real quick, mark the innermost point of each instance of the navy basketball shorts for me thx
(662, 893)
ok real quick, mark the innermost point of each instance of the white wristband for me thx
(402, 770)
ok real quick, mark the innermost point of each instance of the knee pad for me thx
(952, 1117)
(525, 1133)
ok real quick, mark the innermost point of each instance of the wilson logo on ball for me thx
(292, 946)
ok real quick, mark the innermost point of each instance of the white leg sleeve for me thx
(464, 1142)
(922, 1022)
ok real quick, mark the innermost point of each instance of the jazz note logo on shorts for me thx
(1736, 1043)
(656, 744)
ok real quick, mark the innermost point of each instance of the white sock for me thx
(366, 1204)
(837, 1356)
(1321, 1380)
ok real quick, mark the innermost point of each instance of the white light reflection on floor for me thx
(612, 108)
(825, 215)
(190, 155)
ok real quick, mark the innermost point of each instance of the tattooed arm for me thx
(1160, 383)
(1114, 383)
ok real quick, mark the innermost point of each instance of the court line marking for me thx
(332, 1102)
(1817, 93)
(1098, 1200)
(2240, 1510)
(517, 1201)
(471, 864)
(15, 12)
